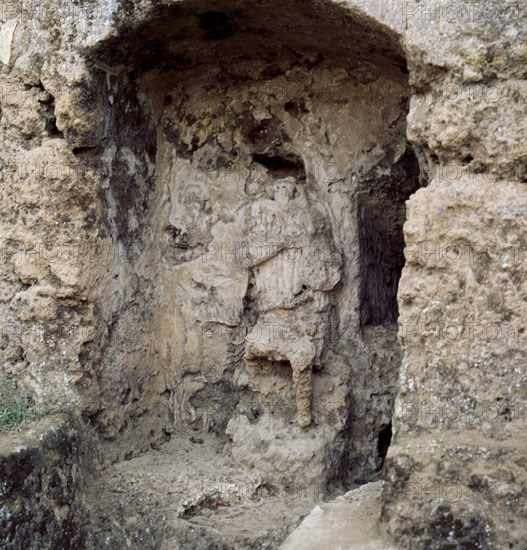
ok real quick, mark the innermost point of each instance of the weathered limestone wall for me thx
(169, 134)
(456, 470)
(39, 500)
(94, 162)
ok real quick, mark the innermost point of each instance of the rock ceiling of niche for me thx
(198, 32)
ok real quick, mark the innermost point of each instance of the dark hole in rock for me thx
(383, 441)
(282, 166)
(216, 24)
(200, 133)
(382, 213)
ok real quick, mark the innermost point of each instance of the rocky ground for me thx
(187, 495)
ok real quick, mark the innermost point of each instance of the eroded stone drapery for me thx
(298, 267)
(283, 243)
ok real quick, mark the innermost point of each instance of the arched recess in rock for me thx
(211, 106)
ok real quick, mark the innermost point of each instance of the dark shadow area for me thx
(382, 212)
(282, 166)
(383, 442)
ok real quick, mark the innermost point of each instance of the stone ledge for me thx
(350, 522)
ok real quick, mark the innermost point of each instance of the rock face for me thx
(40, 501)
(232, 216)
(202, 234)
(455, 475)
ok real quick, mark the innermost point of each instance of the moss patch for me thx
(16, 409)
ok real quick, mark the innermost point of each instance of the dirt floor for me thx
(186, 495)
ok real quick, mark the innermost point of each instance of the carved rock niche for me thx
(259, 174)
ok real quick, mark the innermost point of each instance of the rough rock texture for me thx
(457, 453)
(456, 471)
(39, 500)
(202, 245)
(201, 233)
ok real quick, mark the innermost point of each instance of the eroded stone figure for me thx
(290, 248)
(201, 293)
